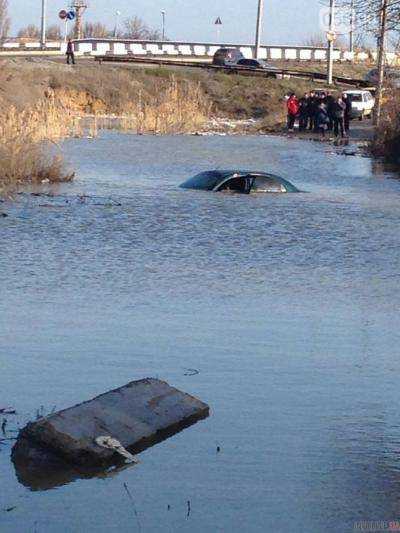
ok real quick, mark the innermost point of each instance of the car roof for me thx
(209, 179)
(356, 91)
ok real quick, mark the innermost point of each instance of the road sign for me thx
(218, 22)
(63, 14)
(71, 15)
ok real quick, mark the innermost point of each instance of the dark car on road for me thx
(261, 64)
(239, 181)
(225, 57)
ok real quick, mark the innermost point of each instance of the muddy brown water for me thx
(285, 306)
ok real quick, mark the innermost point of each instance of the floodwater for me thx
(286, 305)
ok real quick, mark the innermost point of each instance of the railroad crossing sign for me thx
(218, 22)
(63, 14)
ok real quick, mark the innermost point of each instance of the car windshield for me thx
(356, 97)
(204, 180)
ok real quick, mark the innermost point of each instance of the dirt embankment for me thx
(93, 89)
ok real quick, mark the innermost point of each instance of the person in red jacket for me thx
(292, 111)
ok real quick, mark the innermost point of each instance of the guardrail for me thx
(243, 71)
(123, 47)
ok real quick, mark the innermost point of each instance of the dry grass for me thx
(24, 154)
(386, 143)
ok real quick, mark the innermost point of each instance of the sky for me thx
(285, 22)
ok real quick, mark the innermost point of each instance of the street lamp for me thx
(163, 13)
(260, 13)
(117, 15)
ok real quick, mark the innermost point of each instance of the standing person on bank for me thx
(292, 111)
(339, 108)
(303, 112)
(70, 52)
(321, 119)
(347, 113)
(312, 111)
(330, 103)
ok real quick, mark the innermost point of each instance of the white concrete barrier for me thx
(96, 47)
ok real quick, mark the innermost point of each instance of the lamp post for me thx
(117, 15)
(163, 13)
(43, 29)
(331, 39)
(260, 13)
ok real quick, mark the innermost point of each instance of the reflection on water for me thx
(286, 306)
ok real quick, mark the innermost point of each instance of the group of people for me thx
(319, 112)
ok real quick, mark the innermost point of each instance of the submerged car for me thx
(239, 181)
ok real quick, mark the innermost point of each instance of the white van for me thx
(362, 103)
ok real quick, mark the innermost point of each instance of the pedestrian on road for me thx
(303, 112)
(292, 111)
(70, 52)
(338, 113)
(347, 112)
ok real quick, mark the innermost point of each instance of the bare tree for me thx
(29, 32)
(5, 21)
(135, 28)
(95, 30)
(54, 33)
(379, 18)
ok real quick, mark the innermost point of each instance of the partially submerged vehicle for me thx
(239, 181)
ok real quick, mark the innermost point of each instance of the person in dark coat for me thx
(347, 112)
(303, 112)
(321, 119)
(330, 101)
(339, 108)
(312, 110)
(70, 52)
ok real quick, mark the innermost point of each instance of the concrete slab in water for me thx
(138, 415)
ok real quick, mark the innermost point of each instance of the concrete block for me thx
(138, 415)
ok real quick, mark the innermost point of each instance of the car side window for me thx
(267, 184)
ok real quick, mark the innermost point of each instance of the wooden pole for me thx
(381, 61)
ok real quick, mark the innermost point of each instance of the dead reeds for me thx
(24, 153)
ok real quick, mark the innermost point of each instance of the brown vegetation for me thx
(386, 143)
(23, 152)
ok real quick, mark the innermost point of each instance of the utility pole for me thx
(351, 34)
(43, 30)
(331, 40)
(80, 7)
(163, 13)
(260, 14)
(381, 60)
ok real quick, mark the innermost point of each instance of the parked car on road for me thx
(225, 57)
(392, 76)
(239, 181)
(260, 63)
(362, 103)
